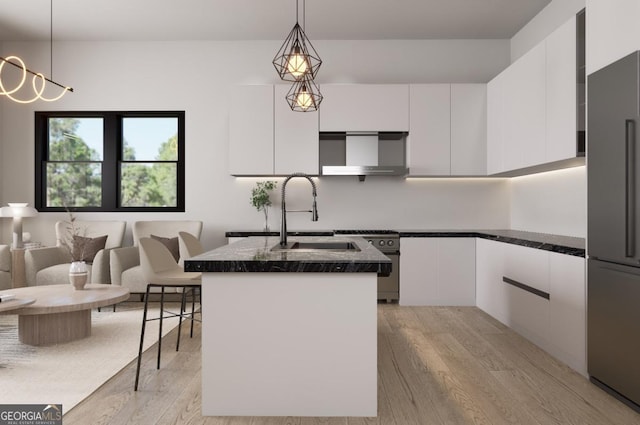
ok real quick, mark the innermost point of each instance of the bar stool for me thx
(161, 271)
(190, 246)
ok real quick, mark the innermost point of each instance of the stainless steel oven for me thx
(388, 242)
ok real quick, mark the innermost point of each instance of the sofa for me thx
(125, 261)
(5, 267)
(50, 265)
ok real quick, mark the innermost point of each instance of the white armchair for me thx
(50, 265)
(5, 267)
(125, 262)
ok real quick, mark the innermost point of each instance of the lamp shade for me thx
(297, 58)
(304, 96)
(18, 209)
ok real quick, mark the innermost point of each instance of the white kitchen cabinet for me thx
(437, 271)
(556, 324)
(251, 131)
(532, 107)
(528, 314)
(561, 94)
(429, 143)
(528, 266)
(567, 334)
(495, 127)
(266, 137)
(447, 134)
(418, 262)
(524, 110)
(364, 107)
(296, 137)
(612, 31)
(468, 129)
(490, 290)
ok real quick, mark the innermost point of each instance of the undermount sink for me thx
(317, 246)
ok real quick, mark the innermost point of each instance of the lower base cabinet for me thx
(437, 271)
(568, 333)
(556, 324)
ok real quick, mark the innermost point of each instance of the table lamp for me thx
(18, 210)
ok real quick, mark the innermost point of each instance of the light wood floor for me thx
(436, 365)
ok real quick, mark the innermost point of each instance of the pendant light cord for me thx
(51, 38)
(304, 10)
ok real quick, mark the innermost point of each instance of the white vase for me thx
(78, 274)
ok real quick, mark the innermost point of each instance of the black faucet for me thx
(313, 211)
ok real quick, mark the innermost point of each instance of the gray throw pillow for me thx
(86, 248)
(171, 243)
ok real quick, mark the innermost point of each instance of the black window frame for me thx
(112, 159)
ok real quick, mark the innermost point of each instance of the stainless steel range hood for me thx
(363, 154)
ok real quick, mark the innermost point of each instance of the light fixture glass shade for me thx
(297, 58)
(304, 95)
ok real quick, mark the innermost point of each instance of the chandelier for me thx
(38, 80)
(298, 61)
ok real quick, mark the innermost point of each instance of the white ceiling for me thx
(92, 20)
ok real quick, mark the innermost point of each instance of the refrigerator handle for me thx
(630, 175)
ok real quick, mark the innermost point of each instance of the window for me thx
(110, 161)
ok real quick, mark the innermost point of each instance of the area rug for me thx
(68, 373)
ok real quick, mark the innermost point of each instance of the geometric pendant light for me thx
(297, 58)
(304, 95)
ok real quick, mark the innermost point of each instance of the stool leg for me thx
(182, 303)
(193, 308)
(144, 323)
(160, 327)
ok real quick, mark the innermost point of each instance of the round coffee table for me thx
(15, 303)
(60, 313)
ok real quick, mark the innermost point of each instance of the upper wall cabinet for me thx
(468, 129)
(532, 123)
(561, 91)
(429, 147)
(447, 135)
(364, 107)
(266, 137)
(296, 137)
(612, 31)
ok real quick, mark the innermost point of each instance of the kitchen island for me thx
(289, 332)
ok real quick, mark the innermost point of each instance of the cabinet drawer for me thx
(527, 266)
(529, 315)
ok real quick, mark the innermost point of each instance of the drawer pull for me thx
(527, 288)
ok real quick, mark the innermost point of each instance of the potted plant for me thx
(260, 199)
(74, 244)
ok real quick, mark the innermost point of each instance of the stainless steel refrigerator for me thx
(613, 235)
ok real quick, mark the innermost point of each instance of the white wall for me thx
(553, 202)
(544, 23)
(199, 77)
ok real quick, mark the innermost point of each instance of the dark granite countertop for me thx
(246, 233)
(254, 254)
(556, 243)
